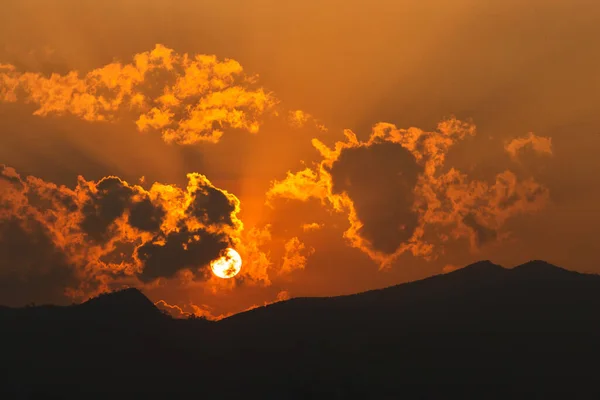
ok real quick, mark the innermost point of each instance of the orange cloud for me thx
(283, 296)
(173, 310)
(188, 98)
(450, 268)
(399, 197)
(299, 119)
(257, 262)
(110, 232)
(539, 144)
(295, 257)
(195, 311)
(302, 185)
(106, 234)
(313, 226)
(205, 311)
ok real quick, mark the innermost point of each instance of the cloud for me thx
(189, 98)
(302, 185)
(32, 267)
(205, 311)
(400, 196)
(539, 144)
(256, 262)
(450, 268)
(283, 296)
(379, 180)
(313, 226)
(179, 250)
(174, 310)
(197, 311)
(295, 256)
(299, 119)
(108, 232)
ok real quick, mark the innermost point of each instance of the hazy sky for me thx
(466, 130)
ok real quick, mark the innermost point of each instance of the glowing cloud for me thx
(450, 268)
(539, 144)
(313, 226)
(195, 311)
(295, 256)
(206, 312)
(398, 197)
(299, 119)
(109, 232)
(188, 98)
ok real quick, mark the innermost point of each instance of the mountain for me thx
(119, 301)
(128, 307)
(480, 324)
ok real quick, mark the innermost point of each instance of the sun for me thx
(228, 265)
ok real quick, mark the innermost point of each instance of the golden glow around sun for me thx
(228, 266)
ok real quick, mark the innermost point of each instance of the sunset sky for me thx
(338, 146)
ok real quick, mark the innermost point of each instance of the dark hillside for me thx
(484, 323)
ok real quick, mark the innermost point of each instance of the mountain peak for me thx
(484, 264)
(123, 295)
(484, 267)
(540, 264)
(541, 268)
(130, 301)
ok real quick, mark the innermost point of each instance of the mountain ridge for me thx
(131, 300)
(482, 323)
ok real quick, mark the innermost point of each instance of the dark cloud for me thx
(104, 206)
(9, 175)
(107, 233)
(44, 196)
(380, 180)
(211, 206)
(146, 216)
(400, 195)
(481, 234)
(191, 248)
(180, 250)
(32, 268)
(122, 253)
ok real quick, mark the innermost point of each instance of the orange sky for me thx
(465, 130)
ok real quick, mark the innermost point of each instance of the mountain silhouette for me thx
(127, 304)
(130, 298)
(480, 324)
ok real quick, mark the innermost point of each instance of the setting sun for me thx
(228, 265)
